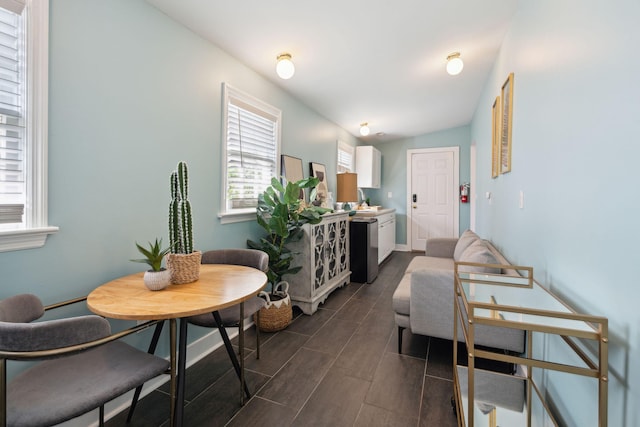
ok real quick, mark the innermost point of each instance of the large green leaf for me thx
(281, 214)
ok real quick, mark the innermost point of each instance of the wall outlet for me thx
(389, 195)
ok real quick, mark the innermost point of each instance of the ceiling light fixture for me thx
(364, 129)
(285, 67)
(454, 64)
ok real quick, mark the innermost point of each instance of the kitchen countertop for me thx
(368, 213)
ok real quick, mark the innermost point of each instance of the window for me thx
(251, 149)
(24, 32)
(345, 157)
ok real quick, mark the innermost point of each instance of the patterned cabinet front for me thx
(323, 253)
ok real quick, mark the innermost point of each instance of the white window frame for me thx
(33, 233)
(351, 150)
(229, 92)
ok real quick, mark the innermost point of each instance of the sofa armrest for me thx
(441, 247)
(431, 303)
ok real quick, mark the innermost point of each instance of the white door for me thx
(433, 196)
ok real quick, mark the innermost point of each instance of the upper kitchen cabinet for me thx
(368, 160)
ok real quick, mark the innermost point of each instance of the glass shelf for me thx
(518, 302)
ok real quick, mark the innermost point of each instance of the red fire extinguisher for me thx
(464, 193)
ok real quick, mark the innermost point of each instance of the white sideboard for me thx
(323, 253)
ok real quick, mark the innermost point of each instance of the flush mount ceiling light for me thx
(285, 67)
(454, 64)
(364, 129)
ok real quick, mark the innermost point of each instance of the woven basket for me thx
(184, 268)
(277, 315)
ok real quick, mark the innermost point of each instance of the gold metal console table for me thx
(516, 301)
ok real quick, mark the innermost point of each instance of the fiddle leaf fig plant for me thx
(281, 213)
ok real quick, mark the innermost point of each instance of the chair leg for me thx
(400, 330)
(257, 334)
(152, 350)
(230, 351)
(101, 422)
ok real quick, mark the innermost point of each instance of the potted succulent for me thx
(157, 277)
(183, 262)
(281, 213)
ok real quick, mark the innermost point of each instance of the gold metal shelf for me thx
(517, 301)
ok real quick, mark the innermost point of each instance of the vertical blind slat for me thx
(12, 178)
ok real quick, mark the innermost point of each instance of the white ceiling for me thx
(376, 61)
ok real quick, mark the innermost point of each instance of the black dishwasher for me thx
(363, 249)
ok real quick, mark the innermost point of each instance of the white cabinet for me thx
(386, 235)
(323, 253)
(368, 162)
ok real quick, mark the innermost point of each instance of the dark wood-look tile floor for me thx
(338, 367)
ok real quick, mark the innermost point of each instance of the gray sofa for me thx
(423, 300)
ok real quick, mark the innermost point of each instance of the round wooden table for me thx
(218, 287)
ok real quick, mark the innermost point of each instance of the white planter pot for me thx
(157, 280)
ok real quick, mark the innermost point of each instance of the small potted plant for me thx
(281, 213)
(183, 262)
(157, 277)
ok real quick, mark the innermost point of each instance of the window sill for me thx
(231, 217)
(15, 240)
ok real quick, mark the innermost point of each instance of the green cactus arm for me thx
(187, 226)
(174, 185)
(183, 177)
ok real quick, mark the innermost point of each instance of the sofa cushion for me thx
(402, 294)
(467, 238)
(427, 262)
(478, 252)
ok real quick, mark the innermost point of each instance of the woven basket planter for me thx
(278, 314)
(184, 268)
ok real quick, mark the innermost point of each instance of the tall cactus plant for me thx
(180, 230)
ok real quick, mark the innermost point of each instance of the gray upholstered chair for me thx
(230, 317)
(81, 364)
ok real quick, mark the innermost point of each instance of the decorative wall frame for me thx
(291, 170)
(495, 138)
(506, 97)
(318, 170)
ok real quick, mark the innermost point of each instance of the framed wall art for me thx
(495, 138)
(291, 169)
(506, 124)
(318, 170)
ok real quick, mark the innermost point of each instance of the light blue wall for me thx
(131, 94)
(575, 153)
(394, 173)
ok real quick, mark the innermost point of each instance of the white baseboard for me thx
(196, 351)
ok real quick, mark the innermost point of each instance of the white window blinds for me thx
(345, 157)
(12, 132)
(251, 149)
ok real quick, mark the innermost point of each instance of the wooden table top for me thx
(218, 287)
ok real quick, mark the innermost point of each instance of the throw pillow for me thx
(479, 253)
(467, 238)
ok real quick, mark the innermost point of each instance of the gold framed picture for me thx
(506, 124)
(495, 138)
